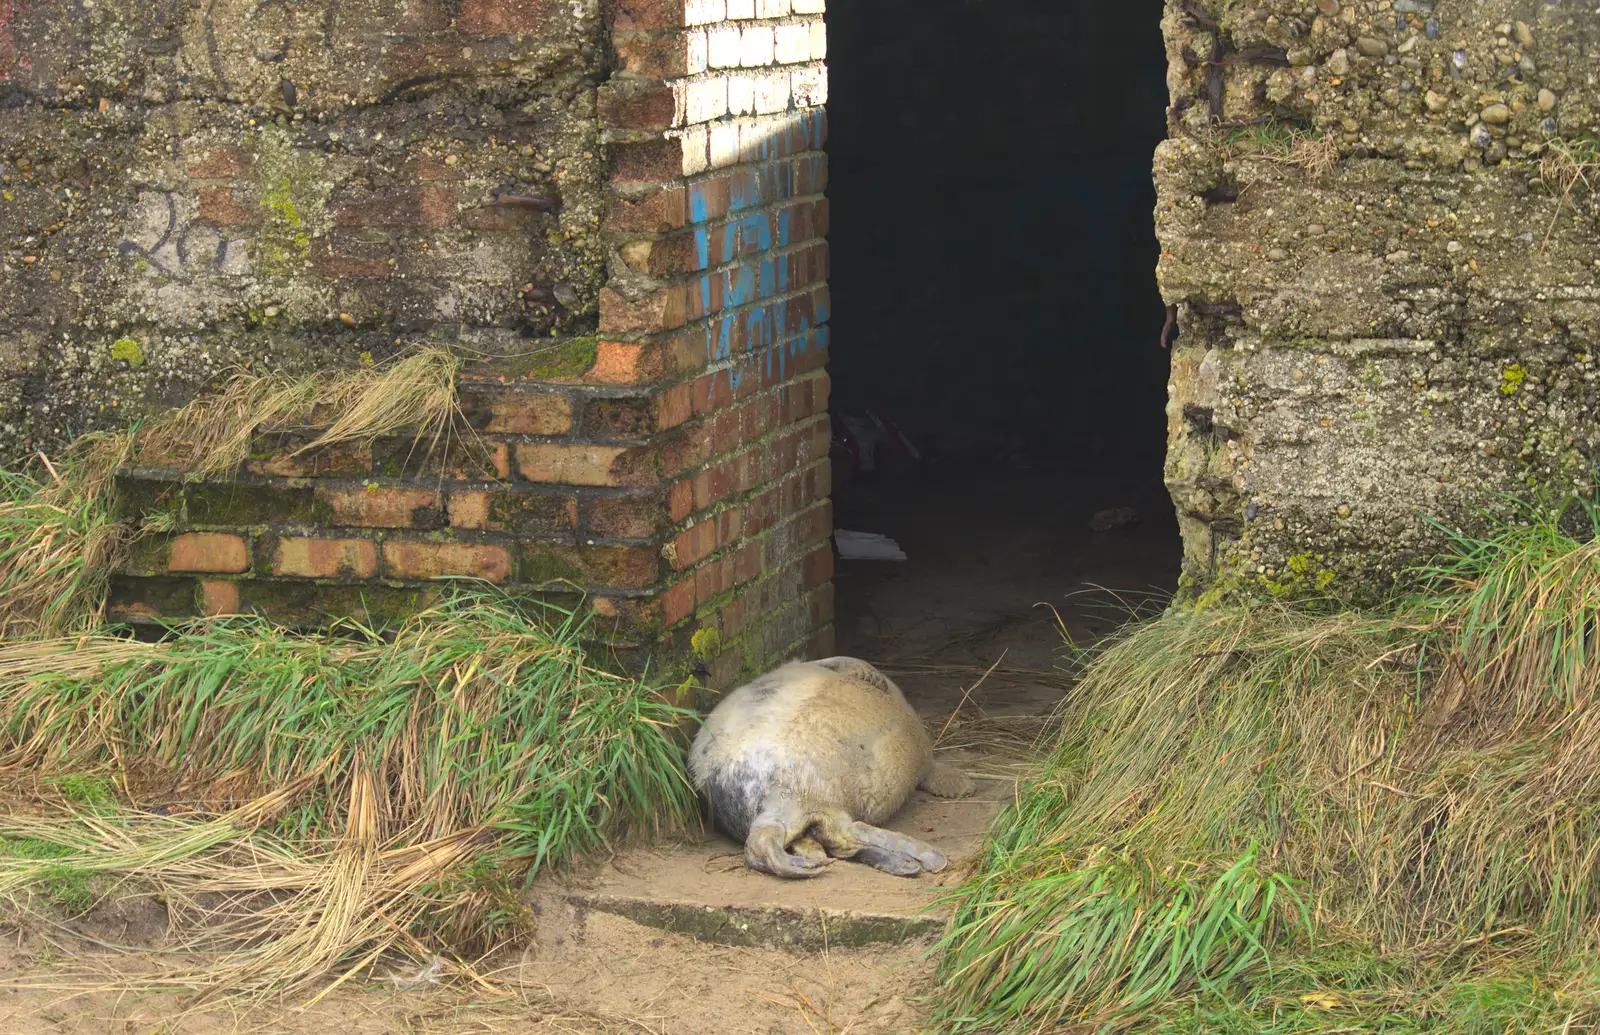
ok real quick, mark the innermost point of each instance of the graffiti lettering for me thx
(169, 235)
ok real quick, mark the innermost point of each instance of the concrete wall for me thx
(1388, 309)
(190, 186)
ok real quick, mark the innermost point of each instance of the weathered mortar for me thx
(1406, 335)
(193, 186)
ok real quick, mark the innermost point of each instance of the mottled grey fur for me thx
(802, 763)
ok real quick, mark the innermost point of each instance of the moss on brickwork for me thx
(1385, 293)
(545, 565)
(244, 506)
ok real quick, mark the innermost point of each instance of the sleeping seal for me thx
(802, 763)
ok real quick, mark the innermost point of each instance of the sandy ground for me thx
(603, 975)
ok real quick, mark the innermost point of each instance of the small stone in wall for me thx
(1496, 114)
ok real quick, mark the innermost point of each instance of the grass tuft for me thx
(396, 784)
(1416, 790)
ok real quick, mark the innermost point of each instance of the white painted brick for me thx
(772, 94)
(757, 137)
(808, 6)
(704, 12)
(741, 8)
(697, 60)
(793, 44)
(741, 95)
(819, 40)
(772, 8)
(694, 150)
(756, 49)
(702, 99)
(811, 86)
(724, 144)
(723, 44)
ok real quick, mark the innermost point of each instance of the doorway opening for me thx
(998, 380)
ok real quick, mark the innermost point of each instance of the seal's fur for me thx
(802, 763)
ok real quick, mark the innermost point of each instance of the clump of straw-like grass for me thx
(60, 539)
(369, 778)
(59, 542)
(1238, 787)
(216, 433)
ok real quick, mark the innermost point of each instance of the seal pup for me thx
(802, 763)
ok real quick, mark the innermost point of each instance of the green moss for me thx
(293, 201)
(1512, 379)
(563, 360)
(310, 605)
(246, 505)
(705, 643)
(541, 565)
(127, 350)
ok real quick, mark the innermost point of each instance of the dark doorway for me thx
(994, 299)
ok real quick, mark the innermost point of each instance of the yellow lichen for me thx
(127, 350)
(1512, 379)
(705, 642)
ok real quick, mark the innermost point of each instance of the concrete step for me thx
(703, 889)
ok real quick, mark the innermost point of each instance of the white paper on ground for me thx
(866, 546)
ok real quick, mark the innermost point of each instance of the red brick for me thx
(221, 163)
(384, 507)
(431, 560)
(204, 551)
(761, 513)
(630, 104)
(517, 413)
(684, 447)
(817, 567)
(654, 57)
(218, 597)
(647, 161)
(469, 510)
(693, 545)
(712, 391)
(625, 517)
(654, 213)
(325, 558)
(747, 563)
(714, 485)
(733, 619)
(674, 406)
(560, 463)
(420, 206)
(680, 501)
(677, 603)
(628, 567)
(507, 17)
(657, 311)
(647, 14)
(730, 524)
(712, 579)
(622, 363)
(217, 204)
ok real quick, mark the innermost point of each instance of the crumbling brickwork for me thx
(1378, 229)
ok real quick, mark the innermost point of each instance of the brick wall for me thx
(718, 299)
(672, 466)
